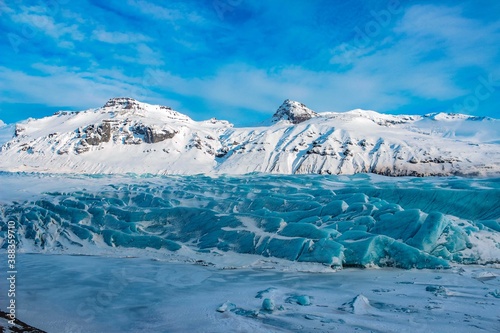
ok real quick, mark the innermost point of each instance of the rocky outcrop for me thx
(96, 134)
(122, 103)
(126, 103)
(7, 324)
(19, 130)
(153, 134)
(294, 112)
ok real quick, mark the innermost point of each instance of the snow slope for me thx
(129, 136)
(6, 132)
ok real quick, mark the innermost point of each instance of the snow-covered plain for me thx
(255, 253)
(82, 294)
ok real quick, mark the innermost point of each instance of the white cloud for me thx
(173, 15)
(117, 37)
(65, 86)
(234, 86)
(39, 20)
(143, 55)
(467, 42)
(422, 54)
(419, 56)
(243, 86)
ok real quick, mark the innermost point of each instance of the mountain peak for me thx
(293, 111)
(127, 103)
(453, 117)
(121, 102)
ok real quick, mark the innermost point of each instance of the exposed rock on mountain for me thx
(294, 112)
(94, 135)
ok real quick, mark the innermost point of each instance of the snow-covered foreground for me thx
(252, 253)
(73, 294)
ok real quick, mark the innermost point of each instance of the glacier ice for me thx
(268, 305)
(226, 306)
(303, 300)
(336, 221)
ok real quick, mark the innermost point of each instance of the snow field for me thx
(103, 294)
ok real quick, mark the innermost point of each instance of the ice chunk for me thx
(261, 293)
(284, 248)
(303, 300)
(485, 276)
(365, 221)
(456, 239)
(116, 238)
(226, 306)
(268, 223)
(324, 251)
(426, 237)
(334, 208)
(437, 290)
(495, 293)
(305, 230)
(359, 305)
(491, 224)
(364, 249)
(268, 305)
(400, 225)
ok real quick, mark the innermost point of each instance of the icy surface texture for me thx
(336, 221)
(95, 294)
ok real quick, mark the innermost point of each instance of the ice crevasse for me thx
(338, 221)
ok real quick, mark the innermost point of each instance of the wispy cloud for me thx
(424, 58)
(463, 41)
(144, 55)
(36, 17)
(117, 37)
(424, 53)
(164, 13)
(261, 90)
(65, 86)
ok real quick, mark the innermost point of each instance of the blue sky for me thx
(239, 59)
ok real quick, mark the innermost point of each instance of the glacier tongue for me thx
(334, 221)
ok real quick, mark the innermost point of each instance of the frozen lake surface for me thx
(254, 253)
(61, 293)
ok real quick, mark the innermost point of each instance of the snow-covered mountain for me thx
(129, 136)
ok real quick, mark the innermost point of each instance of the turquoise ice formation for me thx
(338, 221)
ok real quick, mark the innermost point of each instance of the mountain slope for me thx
(129, 136)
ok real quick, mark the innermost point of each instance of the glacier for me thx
(333, 221)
